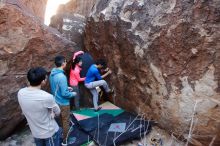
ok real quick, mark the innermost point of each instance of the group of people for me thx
(48, 114)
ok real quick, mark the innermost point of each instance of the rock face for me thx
(70, 19)
(82, 7)
(37, 7)
(71, 26)
(165, 58)
(24, 42)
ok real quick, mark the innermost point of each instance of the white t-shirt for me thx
(36, 105)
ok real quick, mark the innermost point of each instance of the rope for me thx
(191, 125)
(69, 130)
(106, 138)
(124, 131)
(98, 129)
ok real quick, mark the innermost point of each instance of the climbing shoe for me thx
(98, 109)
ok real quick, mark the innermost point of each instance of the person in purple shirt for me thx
(95, 79)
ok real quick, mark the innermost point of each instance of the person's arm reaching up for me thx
(77, 53)
(107, 73)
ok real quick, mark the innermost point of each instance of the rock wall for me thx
(71, 26)
(37, 7)
(165, 58)
(25, 42)
(82, 7)
(70, 19)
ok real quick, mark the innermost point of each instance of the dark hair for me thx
(101, 62)
(36, 76)
(76, 61)
(59, 60)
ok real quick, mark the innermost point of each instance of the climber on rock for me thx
(61, 91)
(40, 108)
(95, 79)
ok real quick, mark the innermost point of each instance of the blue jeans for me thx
(55, 140)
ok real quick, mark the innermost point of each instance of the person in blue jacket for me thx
(95, 79)
(61, 91)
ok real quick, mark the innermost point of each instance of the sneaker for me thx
(111, 91)
(64, 144)
(99, 108)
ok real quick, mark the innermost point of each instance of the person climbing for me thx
(61, 91)
(75, 78)
(94, 79)
(39, 108)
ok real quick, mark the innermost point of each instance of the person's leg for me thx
(77, 97)
(58, 119)
(94, 97)
(92, 87)
(95, 84)
(65, 112)
(49, 142)
(39, 142)
(85, 95)
(103, 95)
(56, 138)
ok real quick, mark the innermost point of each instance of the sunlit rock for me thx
(37, 7)
(70, 20)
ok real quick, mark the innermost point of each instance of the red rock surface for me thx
(24, 42)
(37, 7)
(165, 58)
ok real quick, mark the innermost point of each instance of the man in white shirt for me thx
(39, 108)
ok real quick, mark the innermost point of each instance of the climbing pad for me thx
(94, 126)
(107, 108)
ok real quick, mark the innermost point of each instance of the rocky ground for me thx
(21, 138)
(24, 138)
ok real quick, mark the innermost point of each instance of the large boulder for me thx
(25, 42)
(165, 58)
(36, 7)
(71, 26)
(70, 19)
(82, 7)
